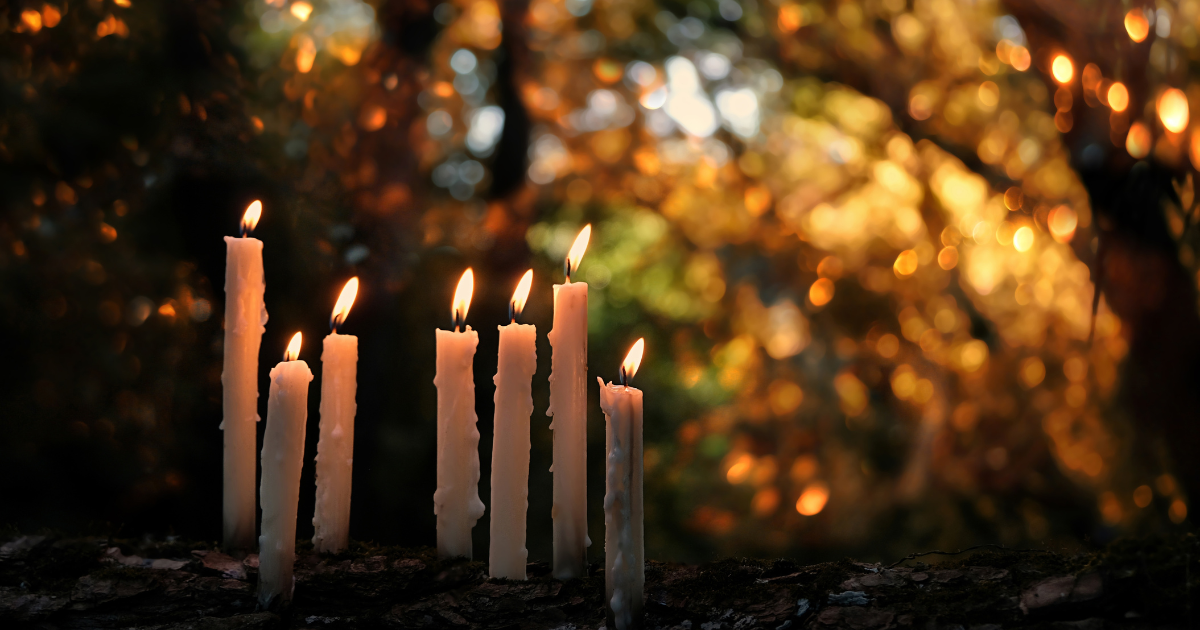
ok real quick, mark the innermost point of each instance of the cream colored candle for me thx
(510, 444)
(335, 450)
(282, 459)
(568, 406)
(245, 318)
(624, 546)
(456, 501)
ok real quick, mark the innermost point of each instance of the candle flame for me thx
(462, 298)
(342, 308)
(633, 361)
(520, 296)
(293, 350)
(575, 256)
(250, 219)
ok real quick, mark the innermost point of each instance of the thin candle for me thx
(568, 406)
(510, 446)
(335, 450)
(245, 321)
(456, 501)
(624, 546)
(282, 459)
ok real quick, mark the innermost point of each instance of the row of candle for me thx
(456, 501)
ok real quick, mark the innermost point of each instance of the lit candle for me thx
(456, 501)
(568, 406)
(245, 317)
(624, 545)
(510, 446)
(335, 450)
(282, 458)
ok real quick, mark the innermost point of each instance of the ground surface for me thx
(57, 582)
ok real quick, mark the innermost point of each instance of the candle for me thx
(568, 406)
(456, 501)
(510, 446)
(624, 546)
(335, 450)
(282, 458)
(245, 317)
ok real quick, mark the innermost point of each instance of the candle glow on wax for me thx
(251, 217)
(462, 298)
(575, 255)
(341, 309)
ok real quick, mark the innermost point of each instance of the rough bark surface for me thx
(55, 582)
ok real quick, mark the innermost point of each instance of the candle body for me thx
(510, 451)
(456, 501)
(568, 406)
(282, 459)
(245, 318)
(624, 546)
(335, 450)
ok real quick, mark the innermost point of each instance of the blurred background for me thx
(912, 274)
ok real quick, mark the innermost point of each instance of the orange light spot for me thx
(1178, 511)
(821, 292)
(948, 257)
(758, 200)
(167, 309)
(1019, 57)
(1137, 143)
(51, 16)
(765, 501)
(444, 89)
(1173, 110)
(1142, 496)
(607, 71)
(31, 21)
(1062, 69)
(124, 4)
(306, 54)
(1194, 150)
(791, 18)
(813, 499)
(301, 10)
(1118, 97)
(906, 263)
(108, 233)
(373, 118)
(740, 470)
(1062, 223)
(1137, 25)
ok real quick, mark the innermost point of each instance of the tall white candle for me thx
(245, 318)
(568, 406)
(624, 546)
(510, 445)
(456, 501)
(282, 458)
(335, 450)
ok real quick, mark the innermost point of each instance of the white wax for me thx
(282, 458)
(568, 406)
(510, 451)
(245, 318)
(335, 450)
(456, 501)
(624, 544)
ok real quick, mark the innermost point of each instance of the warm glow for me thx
(1062, 223)
(521, 295)
(31, 21)
(1019, 58)
(306, 54)
(1173, 110)
(1023, 238)
(1138, 140)
(462, 298)
(1194, 150)
(1136, 25)
(1118, 97)
(575, 256)
(251, 217)
(1062, 68)
(51, 16)
(906, 263)
(791, 17)
(821, 292)
(302, 10)
(342, 308)
(813, 499)
(293, 350)
(633, 361)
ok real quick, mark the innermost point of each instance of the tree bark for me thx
(48, 582)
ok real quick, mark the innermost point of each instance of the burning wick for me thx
(462, 299)
(517, 304)
(250, 218)
(341, 309)
(633, 360)
(293, 349)
(575, 256)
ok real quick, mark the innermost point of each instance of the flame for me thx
(462, 297)
(342, 308)
(575, 256)
(250, 219)
(293, 350)
(633, 360)
(1173, 110)
(1062, 69)
(521, 295)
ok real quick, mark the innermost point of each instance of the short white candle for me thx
(335, 450)
(568, 406)
(245, 318)
(456, 501)
(624, 544)
(282, 459)
(510, 445)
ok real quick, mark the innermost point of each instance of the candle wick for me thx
(567, 265)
